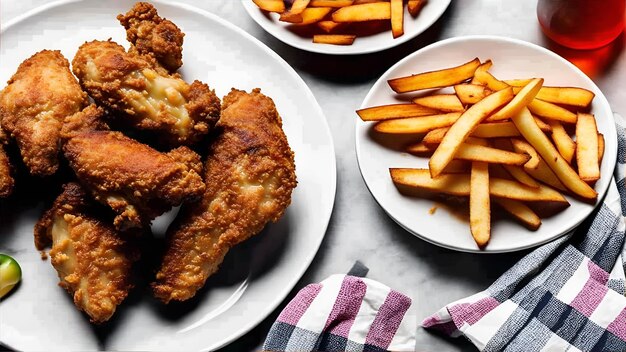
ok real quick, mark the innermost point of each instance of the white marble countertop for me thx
(359, 229)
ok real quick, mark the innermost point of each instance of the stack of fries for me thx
(506, 142)
(331, 15)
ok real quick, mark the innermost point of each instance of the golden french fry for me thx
(335, 39)
(270, 5)
(471, 93)
(420, 124)
(587, 148)
(434, 79)
(298, 6)
(517, 172)
(394, 111)
(521, 146)
(484, 130)
(328, 26)
(420, 149)
(462, 128)
(544, 174)
(480, 205)
(331, 3)
(564, 143)
(600, 147)
(414, 6)
(486, 154)
(363, 12)
(484, 67)
(542, 125)
(520, 211)
(313, 14)
(560, 95)
(397, 18)
(290, 17)
(528, 128)
(551, 111)
(442, 102)
(485, 78)
(459, 185)
(521, 100)
(458, 167)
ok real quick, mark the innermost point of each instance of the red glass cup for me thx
(582, 24)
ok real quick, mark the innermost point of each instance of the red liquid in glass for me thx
(582, 24)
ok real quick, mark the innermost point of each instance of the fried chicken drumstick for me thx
(93, 260)
(129, 84)
(152, 35)
(138, 182)
(250, 174)
(33, 105)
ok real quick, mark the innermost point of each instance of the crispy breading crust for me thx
(93, 261)
(250, 174)
(152, 35)
(116, 80)
(138, 182)
(6, 180)
(38, 97)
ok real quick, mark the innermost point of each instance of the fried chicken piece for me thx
(152, 35)
(138, 182)
(94, 262)
(250, 175)
(6, 180)
(38, 97)
(180, 113)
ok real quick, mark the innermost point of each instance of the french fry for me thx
(415, 6)
(335, 39)
(528, 128)
(517, 172)
(397, 18)
(328, 26)
(480, 204)
(270, 5)
(544, 174)
(434, 79)
(485, 78)
(394, 111)
(458, 167)
(600, 147)
(471, 93)
(313, 15)
(363, 12)
(420, 124)
(521, 100)
(290, 17)
(474, 152)
(542, 125)
(551, 111)
(442, 102)
(420, 149)
(522, 146)
(520, 211)
(331, 3)
(564, 143)
(461, 129)
(459, 185)
(560, 95)
(495, 130)
(298, 6)
(587, 148)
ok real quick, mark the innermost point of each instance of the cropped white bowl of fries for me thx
(486, 144)
(345, 26)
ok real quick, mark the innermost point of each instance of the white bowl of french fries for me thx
(345, 27)
(486, 144)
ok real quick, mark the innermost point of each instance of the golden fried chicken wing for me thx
(250, 174)
(152, 35)
(138, 182)
(38, 97)
(94, 262)
(128, 84)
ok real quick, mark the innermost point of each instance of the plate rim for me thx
(601, 193)
(327, 214)
(249, 6)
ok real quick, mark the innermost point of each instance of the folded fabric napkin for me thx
(344, 313)
(565, 295)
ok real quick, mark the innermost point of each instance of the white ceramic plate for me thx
(362, 45)
(512, 59)
(255, 277)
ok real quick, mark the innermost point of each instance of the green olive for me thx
(10, 274)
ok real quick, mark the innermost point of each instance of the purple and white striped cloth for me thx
(567, 295)
(344, 313)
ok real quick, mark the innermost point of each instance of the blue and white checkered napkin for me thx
(566, 295)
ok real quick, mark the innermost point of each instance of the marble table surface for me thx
(359, 229)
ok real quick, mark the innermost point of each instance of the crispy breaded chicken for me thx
(250, 174)
(138, 182)
(152, 35)
(93, 261)
(179, 113)
(6, 180)
(38, 97)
